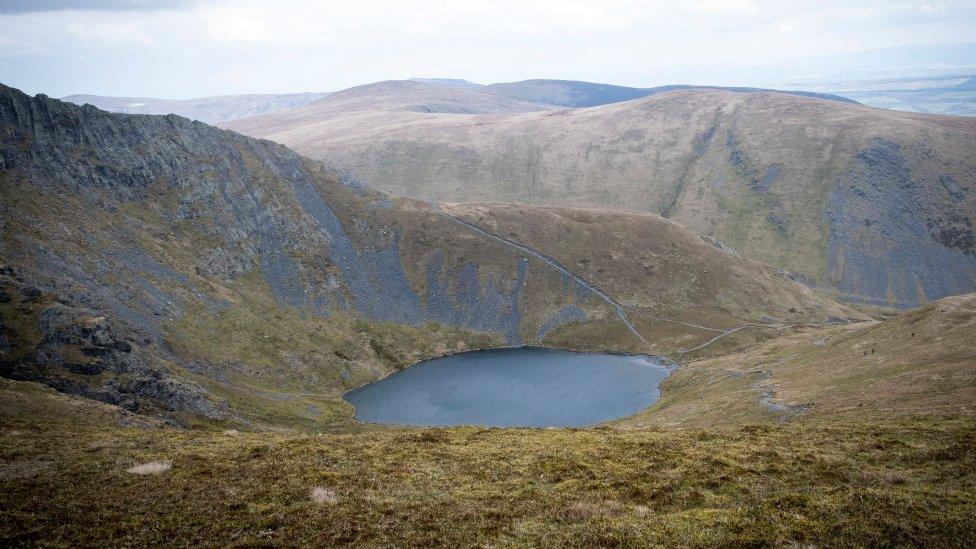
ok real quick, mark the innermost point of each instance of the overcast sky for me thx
(180, 49)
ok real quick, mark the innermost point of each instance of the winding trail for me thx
(730, 332)
(621, 310)
(769, 326)
(688, 324)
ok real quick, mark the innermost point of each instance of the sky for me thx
(191, 48)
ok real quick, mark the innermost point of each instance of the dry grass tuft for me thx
(151, 468)
(582, 510)
(324, 496)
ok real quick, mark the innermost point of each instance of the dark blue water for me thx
(528, 387)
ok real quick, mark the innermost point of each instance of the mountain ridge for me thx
(533, 95)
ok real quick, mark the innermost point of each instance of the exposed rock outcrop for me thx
(79, 351)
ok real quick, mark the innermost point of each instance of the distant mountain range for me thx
(205, 109)
(571, 93)
(535, 94)
(952, 94)
(932, 93)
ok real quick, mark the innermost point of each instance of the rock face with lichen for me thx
(174, 268)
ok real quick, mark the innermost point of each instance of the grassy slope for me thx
(64, 482)
(921, 362)
(284, 369)
(650, 262)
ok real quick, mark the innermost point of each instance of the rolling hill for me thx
(876, 205)
(434, 95)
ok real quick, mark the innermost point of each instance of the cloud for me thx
(110, 33)
(521, 27)
(33, 6)
(586, 16)
(724, 6)
(785, 25)
(299, 24)
(228, 26)
(209, 47)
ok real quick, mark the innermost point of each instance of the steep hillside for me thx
(678, 287)
(211, 110)
(878, 205)
(185, 271)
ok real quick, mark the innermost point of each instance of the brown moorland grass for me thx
(922, 362)
(63, 482)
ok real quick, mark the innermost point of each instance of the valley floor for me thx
(67, 479)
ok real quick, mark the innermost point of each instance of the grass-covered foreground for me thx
(66, 481)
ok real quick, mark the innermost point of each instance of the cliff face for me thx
(172, 267)
(262, 207)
